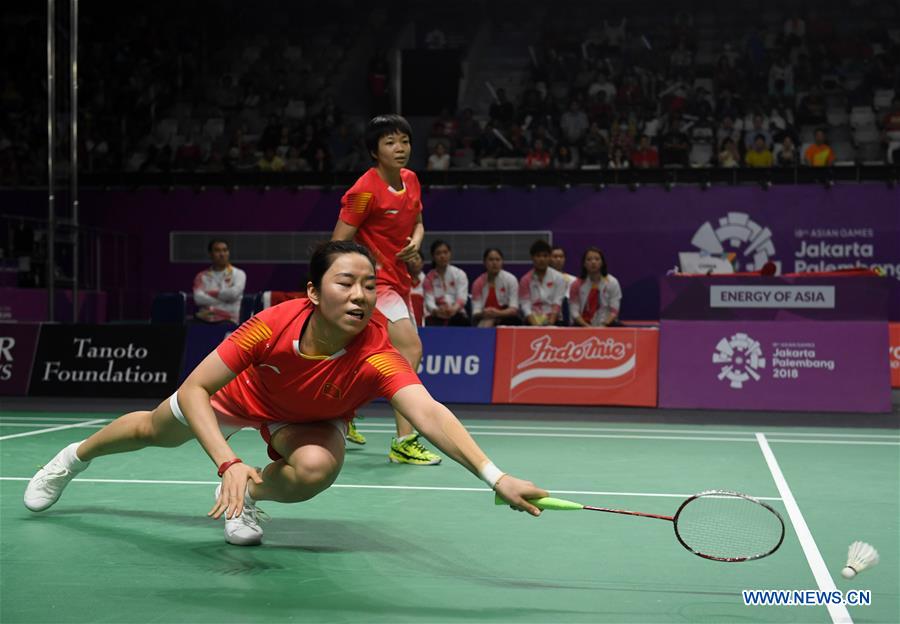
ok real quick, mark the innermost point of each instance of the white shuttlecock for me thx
(859, 557)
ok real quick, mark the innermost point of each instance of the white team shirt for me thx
(450, 289)
(226, 303)
(506, 287)
(541, 297)
(610, 299)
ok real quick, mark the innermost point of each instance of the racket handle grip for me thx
(555, 504)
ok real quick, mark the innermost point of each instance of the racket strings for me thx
(729, 527)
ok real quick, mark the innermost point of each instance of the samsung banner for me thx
(17, 342)
(458, 363)
(107, 360)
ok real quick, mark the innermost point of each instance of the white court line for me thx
(560, 428)
(671, 430)
(19, 424)
(40, 431)
(749, 438)
(432, 488)
(838, 613)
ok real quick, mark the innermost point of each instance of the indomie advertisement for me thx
(576, 366)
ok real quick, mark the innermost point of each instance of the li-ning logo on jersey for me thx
(391, 212)
(357, 202)
(251, 334)
(741, 357)
(750, 243)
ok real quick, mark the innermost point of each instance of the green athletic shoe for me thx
(411, 451)
(353, 434)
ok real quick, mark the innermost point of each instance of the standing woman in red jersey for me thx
(296, 371)
(383, 211)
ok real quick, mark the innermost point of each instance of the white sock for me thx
(403, 439)
(77, 463)
(247, 496)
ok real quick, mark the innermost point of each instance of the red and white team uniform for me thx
(451, 288)
(502, 294)
(417, 298)
(277, 385)
(595, 302)
(384, 218)
(218, 293)
(544, 296)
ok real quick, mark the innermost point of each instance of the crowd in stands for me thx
(784, 88)
(726, 87)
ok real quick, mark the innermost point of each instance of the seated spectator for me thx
(218, 289)
(595, 147)
(675, 147)
(618, 159)
(495, 294)
(759, 156)
(464, 154)
(645, 156)
(295, 162)
(758, 129)
(558, 262)
(574, 123)
(787, 155)
(439, 159)
(542, 289)
(819, 154)
(446, 289)
(728, 154)
(270, 161)
(595, 298)
(538, 157)
(417, 292)
(565, 158)
(890, 123)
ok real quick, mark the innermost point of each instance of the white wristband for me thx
(490, 474)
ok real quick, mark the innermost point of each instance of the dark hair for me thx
(437, 243)
(489, 250)
(540, 246)
(383, 125)
(758, 137)
(325, 253)
(212, 242)
(603, 270)
(555, 247)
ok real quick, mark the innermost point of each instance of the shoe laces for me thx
(251, 515)
(414, 443)
(52, 470)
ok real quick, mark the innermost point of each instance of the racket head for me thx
(728, 526)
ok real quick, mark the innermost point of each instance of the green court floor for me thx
(130, 540)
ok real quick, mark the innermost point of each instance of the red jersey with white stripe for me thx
(384, 218)
(275, 382)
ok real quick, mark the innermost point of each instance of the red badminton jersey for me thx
(384, 218)
(276, 383)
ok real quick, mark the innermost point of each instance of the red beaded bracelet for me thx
(226, 465)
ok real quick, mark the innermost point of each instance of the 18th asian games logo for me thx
(738, 240)
(741, 357)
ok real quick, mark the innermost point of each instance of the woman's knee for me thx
(161, 428)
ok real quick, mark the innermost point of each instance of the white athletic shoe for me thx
(47, 485)
(244, 529)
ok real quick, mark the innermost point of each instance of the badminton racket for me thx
(716, 524)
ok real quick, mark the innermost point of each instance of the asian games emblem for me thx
(741, 357)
